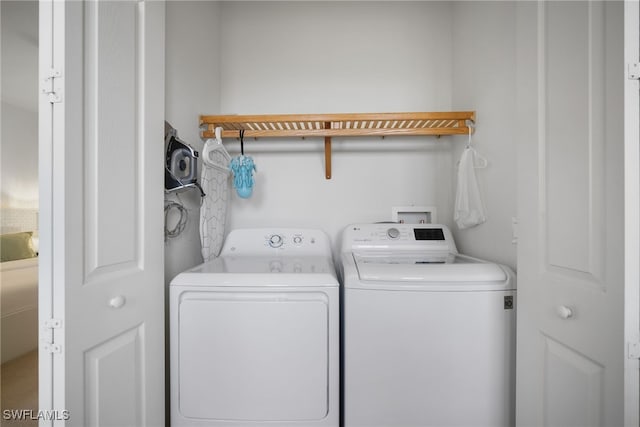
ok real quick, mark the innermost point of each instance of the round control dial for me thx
(297, 240)
(275, 240)
(393, 233)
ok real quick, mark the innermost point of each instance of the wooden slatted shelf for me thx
(330, 125)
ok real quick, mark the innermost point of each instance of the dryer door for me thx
(251, 355)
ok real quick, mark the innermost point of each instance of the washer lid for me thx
(426, 267)
(258, 271)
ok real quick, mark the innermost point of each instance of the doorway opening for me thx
(19, 209)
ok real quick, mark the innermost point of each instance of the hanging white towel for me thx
(469, 210)
(213, 211)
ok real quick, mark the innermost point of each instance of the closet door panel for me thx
(113, 97)
(570, 204)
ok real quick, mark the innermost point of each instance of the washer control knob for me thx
(297, 240)
(275, 241)
(393, 233)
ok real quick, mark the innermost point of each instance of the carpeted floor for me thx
(19, 390)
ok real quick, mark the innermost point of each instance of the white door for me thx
(570, 366)
(632, 212)
(101, 155)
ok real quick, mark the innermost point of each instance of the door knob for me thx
(117, 302)
(564, 312)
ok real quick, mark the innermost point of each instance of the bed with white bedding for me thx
(18, 299)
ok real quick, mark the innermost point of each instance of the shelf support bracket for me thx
(327, 152)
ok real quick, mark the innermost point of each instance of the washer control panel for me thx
(398, 237)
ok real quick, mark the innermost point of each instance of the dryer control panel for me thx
(283, 241)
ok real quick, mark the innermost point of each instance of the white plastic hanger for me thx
(211, 147)
(479, 162)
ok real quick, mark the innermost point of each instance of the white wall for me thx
(20, 53)
(316, 57)
(19, 93)
(19, 158)
(485, 80)
(192, 88)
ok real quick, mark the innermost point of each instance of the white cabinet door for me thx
(571, 211)
(101, 154)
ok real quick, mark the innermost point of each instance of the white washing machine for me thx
(429, 334)
(255, 333)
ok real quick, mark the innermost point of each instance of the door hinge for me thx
(633, 71)
(50, 86)
(633, 350)
(53, 324)
(52, 348)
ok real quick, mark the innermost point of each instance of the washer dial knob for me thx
(393, 233)
(275, 240)
(297, 240)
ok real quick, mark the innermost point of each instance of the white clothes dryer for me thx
(254, 334)
(429, 334)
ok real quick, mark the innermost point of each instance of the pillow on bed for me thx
(16, 246)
